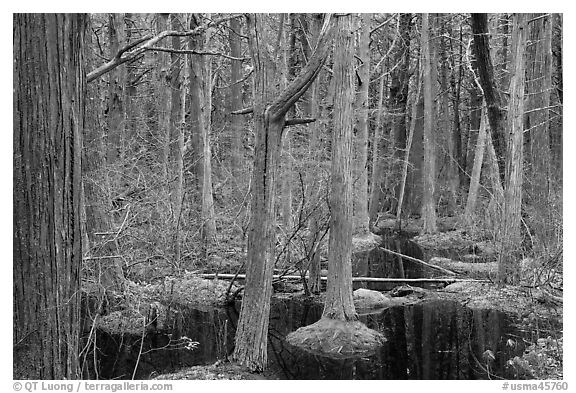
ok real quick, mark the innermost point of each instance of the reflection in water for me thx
(434, 340)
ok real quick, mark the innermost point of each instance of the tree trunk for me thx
(270, 108)
(446, 124)
(235, 98)
(429, 169)
(208, 215)
(49, 96)
(116, 109)
(164, 97)
(339, 303)
(312, 109)
(377, 167)
(491, 93)
(176, 134)
(538, 87)
(360, 185)
(509, 264)
(200, 118)
(406, 161)
(476, 169)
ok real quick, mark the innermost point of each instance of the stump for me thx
(337, 339)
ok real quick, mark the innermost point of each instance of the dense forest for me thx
(204, 159)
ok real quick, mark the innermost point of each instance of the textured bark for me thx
(538, 87)
(496, 115)
(429, 168)
(339, 303)
(49, 96)
(360, 185)
(509, 264)
(270, 108)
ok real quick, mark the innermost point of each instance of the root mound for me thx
(337, 339)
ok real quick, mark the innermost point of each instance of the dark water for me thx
(434, 340)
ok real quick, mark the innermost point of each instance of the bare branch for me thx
(294, 122)
(244, 111)
(298, 86)
(129, 52)
(195, 52)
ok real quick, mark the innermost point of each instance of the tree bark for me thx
(476, 170)
(509, 264)
(537, 119)
(429, 169)
(176, 133)
(360, 185)
(235, 98)
(339, 303)
(491, 93)
(270, 108)
(49, 100)
(116, 109)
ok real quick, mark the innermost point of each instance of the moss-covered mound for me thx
(337, 339)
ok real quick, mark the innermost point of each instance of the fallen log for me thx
(447, 280)
(436, 267)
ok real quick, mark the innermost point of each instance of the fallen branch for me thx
(293, 122)
(244, 111)
(446, 271)
(447, 280)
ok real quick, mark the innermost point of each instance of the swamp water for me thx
(432, 340)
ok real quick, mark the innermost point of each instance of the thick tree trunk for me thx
(538, 88)
(270, 108)
(508, 268)
(429, 168)
(49, 96)
(491, 93)
(360, 185)
(339, 303)
(200, 120)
